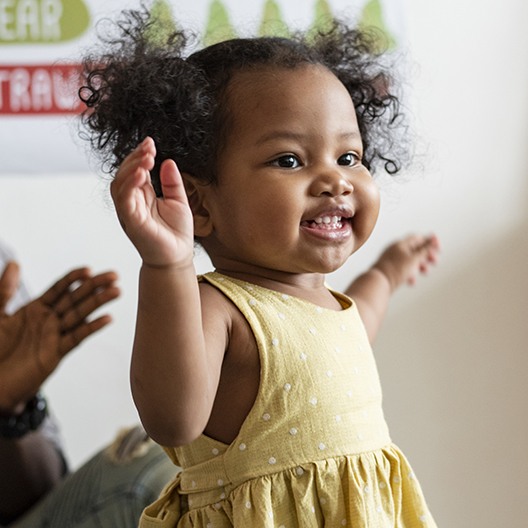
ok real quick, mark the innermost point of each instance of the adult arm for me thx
(33, 341)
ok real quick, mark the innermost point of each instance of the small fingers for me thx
(171, 182)
(9, 282)
(134, 169)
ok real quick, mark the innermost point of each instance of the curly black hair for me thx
(137, 88)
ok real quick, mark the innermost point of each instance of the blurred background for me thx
(453, 352)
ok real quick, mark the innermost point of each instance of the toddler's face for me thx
(292, 194)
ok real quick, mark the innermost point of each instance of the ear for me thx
(198, 194)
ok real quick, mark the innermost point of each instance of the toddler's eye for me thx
(349, 159)
(288, 161)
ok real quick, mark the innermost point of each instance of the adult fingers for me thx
(75, 307)
(71, 338)
(63, 285)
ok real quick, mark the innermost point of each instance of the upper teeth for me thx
(327, 220)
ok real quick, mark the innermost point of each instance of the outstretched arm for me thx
(32, 343)
(400, 263)
(175, 365)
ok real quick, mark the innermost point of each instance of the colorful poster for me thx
(41, 42)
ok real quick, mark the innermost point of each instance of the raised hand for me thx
(160, 228)
(34, 339)
(402, 261)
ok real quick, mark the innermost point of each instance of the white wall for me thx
(452, 355)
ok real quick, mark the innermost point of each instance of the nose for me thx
(331, 182)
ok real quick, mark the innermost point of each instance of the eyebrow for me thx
(286, 134)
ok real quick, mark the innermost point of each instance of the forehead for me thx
(275, 95)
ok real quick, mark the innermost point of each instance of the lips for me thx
(334, 224)
(330, 218)
(325, 222)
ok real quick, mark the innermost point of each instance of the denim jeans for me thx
(103, 493)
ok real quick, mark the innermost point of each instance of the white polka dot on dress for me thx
(313, 401)
(215, 451)
(293, 431)
(272, 461)
(266, 417)
(275, 341)
(312, 331)
(242, 447)
(248, 505)
(252, 302)
(287, 387)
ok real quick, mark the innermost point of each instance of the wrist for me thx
(385, 275)
(24, 418)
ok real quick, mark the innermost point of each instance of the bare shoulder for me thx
(218, 311)
(240, 370)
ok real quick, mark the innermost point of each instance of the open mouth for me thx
(328, 223)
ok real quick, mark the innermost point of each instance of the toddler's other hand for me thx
(403, 260)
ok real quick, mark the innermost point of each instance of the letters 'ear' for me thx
(196, 194)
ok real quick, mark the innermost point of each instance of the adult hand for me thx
(34, 339)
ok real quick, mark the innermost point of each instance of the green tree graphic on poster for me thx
(372, 16)
(272, 22)
(218, 26)
(163, 23)
(323, 17)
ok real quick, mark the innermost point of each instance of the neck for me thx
(308, 286)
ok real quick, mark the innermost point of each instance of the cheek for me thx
(370, 207)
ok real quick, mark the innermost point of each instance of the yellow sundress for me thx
(314, 450)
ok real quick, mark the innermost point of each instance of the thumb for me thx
(171, 182)
(9, 282)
